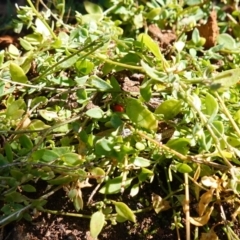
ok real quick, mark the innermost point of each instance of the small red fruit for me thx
(118, 108)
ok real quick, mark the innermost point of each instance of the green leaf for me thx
(195, 36)
(34, 39)
(169, 108)
(100, 84)
(141, 162)
(153, 73)
(71, 158)
(78, 202)
(211, 105)
(227, 41)
(92, 8)
(28, 188)
(16, 109)
(140, 115)
(153, 13)
(180, 144)
(99, 173)
(183, 168)
(69, 62)
(60, 180)
(25, 44)
(25, 141)
(150, 44)
(134, 190)
(13, 50)
(146, 91)
(48, 115)
(8, 152)
(124, 211)
(225, 79)
(113, 186)
(84, 67)
(38, 125)
(17, 73)
(45, 154)
(95, 113)
(96, 223)
(38, 100)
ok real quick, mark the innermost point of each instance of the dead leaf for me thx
(210, 30)
(203, 220)
(159, 204)
(211, 235)
(205, 199)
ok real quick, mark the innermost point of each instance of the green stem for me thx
(127, 66)
(227, 113)
(42, 19)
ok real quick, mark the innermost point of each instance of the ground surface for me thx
(149, 224)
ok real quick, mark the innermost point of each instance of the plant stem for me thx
(42, 19)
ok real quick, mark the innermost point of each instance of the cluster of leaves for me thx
(65, 118)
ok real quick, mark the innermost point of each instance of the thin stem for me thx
(119, 64)
(186, 207)
(227, 113)
(42, 19)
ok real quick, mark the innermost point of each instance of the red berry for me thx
(118, 108)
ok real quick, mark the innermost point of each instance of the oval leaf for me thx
(95, 113)
(17, 73)
(183, 168)
(114, 185)
(124, 211)
(96, 223)
(140, 115)
(211, 105)
(170, 108)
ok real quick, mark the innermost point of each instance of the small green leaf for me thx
(8, 152)
(48, 115)
(225, 79)
(169, 108)
(155, 12)
(100, 84)
(183, 168)
(25, 44)
(45, 154)
(96, 223)
(141, 162)
(37, 124)
(69, 62)
(180, 144)
(153, 73)
(140, 115)
(78, 202)
(113, 186)
(71, 158)
(25, 141)
(28, 188)
(195, 36)
(92, 8)
(151, 45)
(211, 105)
(60, 180)
(95, 113)
(134, 190)
(17, 73)
(13, 50)
(124, 211)
(16, 109)
(227, 41)
(99, 174)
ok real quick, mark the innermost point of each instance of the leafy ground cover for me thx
(120, 121)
